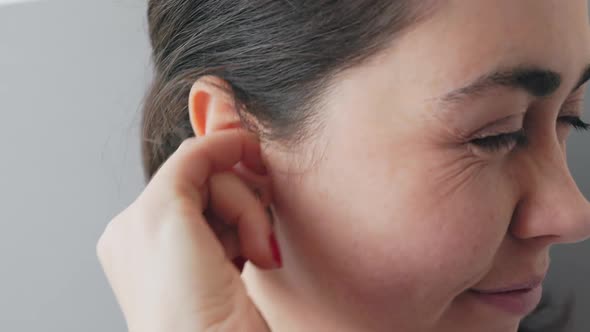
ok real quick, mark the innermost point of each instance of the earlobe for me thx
(210, 106)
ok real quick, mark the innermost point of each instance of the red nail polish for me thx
(276, 253)
(239, 262)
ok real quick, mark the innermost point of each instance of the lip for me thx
(520, 299)
(519, 303)
(523, 286)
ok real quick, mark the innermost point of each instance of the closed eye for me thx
(575, 122)
(508, 141)
(502, 141)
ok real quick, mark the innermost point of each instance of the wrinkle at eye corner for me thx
(461, 173)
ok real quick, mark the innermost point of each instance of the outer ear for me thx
(210, 107)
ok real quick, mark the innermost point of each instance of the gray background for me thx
(72, 78)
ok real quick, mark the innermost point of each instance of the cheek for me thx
(397, 231)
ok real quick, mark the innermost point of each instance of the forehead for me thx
(465, 38)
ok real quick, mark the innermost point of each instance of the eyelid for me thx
(499, 142)
(507, 125)
(574, 106)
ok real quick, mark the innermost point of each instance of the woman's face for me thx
(402, 205)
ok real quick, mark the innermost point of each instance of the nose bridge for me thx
(553, 204)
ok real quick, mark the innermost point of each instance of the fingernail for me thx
(276, 253)
(239, 262)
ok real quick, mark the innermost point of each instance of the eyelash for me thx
(519, 138)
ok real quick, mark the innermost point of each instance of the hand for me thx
(168, 256)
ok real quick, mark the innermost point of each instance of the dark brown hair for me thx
(277, 56)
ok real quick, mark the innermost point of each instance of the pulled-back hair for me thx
(277, 56)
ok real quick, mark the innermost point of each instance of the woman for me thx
(383, 165)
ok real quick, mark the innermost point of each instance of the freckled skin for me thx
(389, 217)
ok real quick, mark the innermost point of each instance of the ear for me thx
(211, 107)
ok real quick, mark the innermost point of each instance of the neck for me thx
(285, 308)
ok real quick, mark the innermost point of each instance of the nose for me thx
(552, 206)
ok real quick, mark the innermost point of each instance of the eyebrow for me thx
(537, 82)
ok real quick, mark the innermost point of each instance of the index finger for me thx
(197, 158)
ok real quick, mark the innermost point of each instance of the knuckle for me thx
(107, 240)
(103, 243)
(102, 247)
